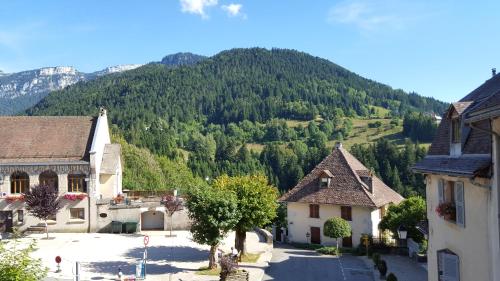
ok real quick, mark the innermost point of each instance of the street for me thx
(292, 264)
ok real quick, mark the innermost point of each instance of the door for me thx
(6, 222)
(347, 242)
(278, 234)
(152, 220)
(315, 235)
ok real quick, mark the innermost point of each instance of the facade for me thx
(73, 154)
(339, 186)
(462, 174)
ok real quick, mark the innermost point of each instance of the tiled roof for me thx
(346, 187)
(465, 165)
(27, 139)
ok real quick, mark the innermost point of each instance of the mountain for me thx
(180, 59)
(240, 84)
(21, 90)
(247, 111)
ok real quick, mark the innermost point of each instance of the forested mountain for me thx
(179, 59)
(207, 111)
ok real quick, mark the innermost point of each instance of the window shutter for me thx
(441, 190)
(451, 270)
(460, 203)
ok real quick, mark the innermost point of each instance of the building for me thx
(462, 174)
(73, 154)
(339, 186)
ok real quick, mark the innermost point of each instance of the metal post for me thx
(77, 271)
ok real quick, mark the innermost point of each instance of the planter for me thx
(75, 196)
(449, 217)
(239, 275)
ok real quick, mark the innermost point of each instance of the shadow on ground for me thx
(158, 257)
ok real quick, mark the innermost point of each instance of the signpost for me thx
(58, 261)
(146, 242)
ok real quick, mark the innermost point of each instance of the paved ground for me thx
(405, 268)
(102, 255)
(293, 264)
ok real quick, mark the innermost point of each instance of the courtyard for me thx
(102, 255)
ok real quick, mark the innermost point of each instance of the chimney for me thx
(338, 145)
(493, 72)
(102, 111)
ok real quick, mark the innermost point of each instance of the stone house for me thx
(462, 172)
(73, 154)
(339, 186)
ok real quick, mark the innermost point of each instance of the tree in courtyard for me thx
(172, 204)
(256, 203)
(42, 202)
(408, 213)
(337, 228)
(17, 264)
(213, 214)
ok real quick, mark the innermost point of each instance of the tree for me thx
(42, 202)
(213, 213)
(172, 205)
(408, 213)
(337, 228)
(17, 264)
(256, 203)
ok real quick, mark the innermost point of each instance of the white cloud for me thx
(197, 6)
(376, 14)
(233, 10)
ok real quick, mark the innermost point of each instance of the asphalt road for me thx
(291, 264)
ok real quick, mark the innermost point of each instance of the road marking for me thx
(342, 269)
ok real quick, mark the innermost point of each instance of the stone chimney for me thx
(338, 145)
(493, 72)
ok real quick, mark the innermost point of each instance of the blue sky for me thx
(439, 48)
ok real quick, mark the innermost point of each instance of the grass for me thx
(250, 258)
(207, 271)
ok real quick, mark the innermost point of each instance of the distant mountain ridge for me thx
(21, 90)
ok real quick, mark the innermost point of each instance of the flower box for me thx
(14, 198)
(75, 196)
(446, 210)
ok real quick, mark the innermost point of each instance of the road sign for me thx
(146, 240)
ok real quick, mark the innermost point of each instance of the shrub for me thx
(392, 277)
(17, 264)
(382, 267)
(334, 251)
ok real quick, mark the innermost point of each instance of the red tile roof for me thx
(28, 139)
(346, 187)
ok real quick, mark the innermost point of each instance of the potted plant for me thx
(446, 210)
(382, 269)
(392, 277)
(119, 198)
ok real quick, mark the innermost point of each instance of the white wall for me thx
(471, 243)
(299, 222)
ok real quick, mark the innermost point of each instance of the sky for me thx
(442, 49)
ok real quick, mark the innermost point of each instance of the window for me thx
(19, 182)
(455, 130)
(76, 183)
(346, 213)
(20, 216)
(77, 213)
(324, 182)
(52, 218)
(451, 195)
(448, 266)
(314, 211)
(49, 178)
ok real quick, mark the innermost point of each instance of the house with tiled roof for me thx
(73, 154)
(462, 189)
(339, 186)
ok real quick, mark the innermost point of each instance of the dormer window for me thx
(324, 182)
(455, 130)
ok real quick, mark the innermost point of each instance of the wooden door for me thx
(315, 235)
(6, 222)
(347, 242)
